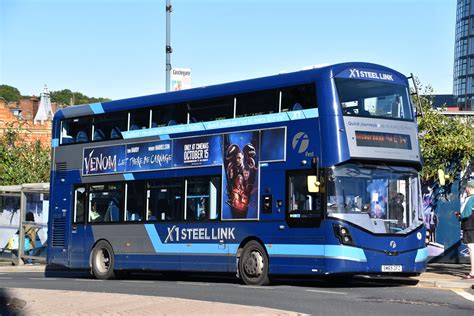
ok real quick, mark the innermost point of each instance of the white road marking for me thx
(256, 287)
(464, 294)
(5, 278)
(88, 280)
(327, 292)
(137, 281)
(193, 283)
(43, 279)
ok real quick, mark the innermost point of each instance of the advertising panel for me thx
(197, 151)
(241, 175)
(149, 156)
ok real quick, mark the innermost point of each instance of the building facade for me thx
(22, 115)
(463, 75)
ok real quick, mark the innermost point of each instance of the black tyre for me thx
(253, 264)
(103, 261)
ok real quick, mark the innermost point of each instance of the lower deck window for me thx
(302, 205)
(105, 203)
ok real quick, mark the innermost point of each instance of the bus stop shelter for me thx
(23, 216)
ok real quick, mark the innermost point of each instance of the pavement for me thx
(34, 301)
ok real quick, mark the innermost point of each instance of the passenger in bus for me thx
(397, 209)
(94, 215)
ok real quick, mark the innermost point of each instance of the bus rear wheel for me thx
(253, 264)
(103, 261)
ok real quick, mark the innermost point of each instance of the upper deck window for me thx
(75, 130)
(139, 119)
(109, 126)
(258, 103)
(300, 97)
(168, 115)
(211, 110)
(367, 98)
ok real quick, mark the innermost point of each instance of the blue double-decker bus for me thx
(307, 173)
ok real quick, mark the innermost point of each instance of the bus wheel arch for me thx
(253, 262)
(102, 260)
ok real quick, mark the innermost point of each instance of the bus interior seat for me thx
(154, 124)
(297, 107)
(99, 134)
(134, 127)
(115, 133)
(192, 119)
(67, 140)
(112, 213)
(172, 122)
(81, 137)
(135, 217)
(163, 208)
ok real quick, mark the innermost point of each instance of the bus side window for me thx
(110, 126)
(76, 130)
(135, 204)
(79, 205)
(302, 203)
(139, 119)
(105, 202)
(164, 200)
(297, 98)
(211, 110)
(203, 198)
(258, 103)
(167, 115)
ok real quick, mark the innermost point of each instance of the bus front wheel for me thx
(103, 261)
(253, 264)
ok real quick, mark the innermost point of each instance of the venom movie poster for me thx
(241, 159)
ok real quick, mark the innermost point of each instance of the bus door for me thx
(77, 255)
(205, 241)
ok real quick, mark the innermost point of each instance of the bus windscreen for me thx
(374, 99)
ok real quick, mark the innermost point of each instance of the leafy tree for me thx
(446, 142)
(10, 94)
(22, 161)
(65, 97)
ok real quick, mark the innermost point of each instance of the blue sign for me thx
(149, 156)
(197, 151)
(102, 160)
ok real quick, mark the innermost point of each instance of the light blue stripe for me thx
(97, 108)
(153, 235)
(328, 251)
(421, 255)
(164, 137)
(228, 123)
(311, 113)
(54, 142)
(128, 176)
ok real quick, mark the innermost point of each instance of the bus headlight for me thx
(343, 234)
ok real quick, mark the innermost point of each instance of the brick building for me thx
(23, 114)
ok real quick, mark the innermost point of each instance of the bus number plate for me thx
(391, 268)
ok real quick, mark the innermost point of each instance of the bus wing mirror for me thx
(313, 184)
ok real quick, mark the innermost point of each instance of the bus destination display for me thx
(384, 140)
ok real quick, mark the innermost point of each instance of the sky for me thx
(116, 48)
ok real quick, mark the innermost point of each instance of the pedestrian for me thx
(466, 217)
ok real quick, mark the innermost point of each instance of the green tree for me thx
(22, 161)
(446, 141)
(65, 97)
(10, 94)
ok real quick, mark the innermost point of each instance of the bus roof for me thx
(213, 91)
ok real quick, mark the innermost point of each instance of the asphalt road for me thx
(360, 297)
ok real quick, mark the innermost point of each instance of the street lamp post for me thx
(169, 50)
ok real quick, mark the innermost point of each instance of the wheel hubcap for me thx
(103, 260)
(253, 265)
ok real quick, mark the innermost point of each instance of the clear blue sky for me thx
(115, 48)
